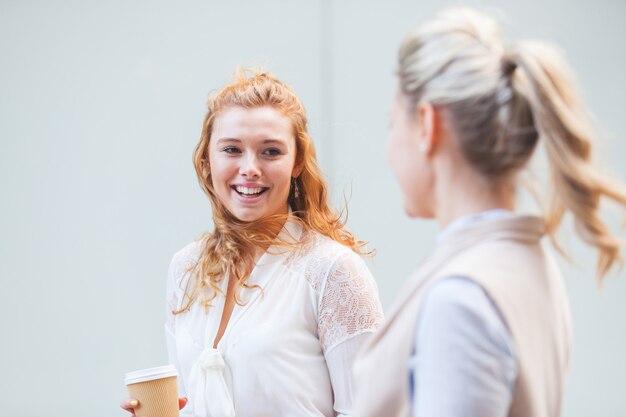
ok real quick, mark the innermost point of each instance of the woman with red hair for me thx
(266, 312)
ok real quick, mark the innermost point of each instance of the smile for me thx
(249, 191)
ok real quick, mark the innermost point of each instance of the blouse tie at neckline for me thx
(210, 386)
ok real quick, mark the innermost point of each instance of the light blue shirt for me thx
(463, 361)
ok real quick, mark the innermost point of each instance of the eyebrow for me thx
(265, 142)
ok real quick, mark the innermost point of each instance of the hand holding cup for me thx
(153, 392)
(129, 404)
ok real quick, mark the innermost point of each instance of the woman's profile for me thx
(483, 328)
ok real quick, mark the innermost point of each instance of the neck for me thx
(270, 228)
(467, 195)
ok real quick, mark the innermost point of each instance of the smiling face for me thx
(252, 155)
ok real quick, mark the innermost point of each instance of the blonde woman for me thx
(266, 312)
(483, 327)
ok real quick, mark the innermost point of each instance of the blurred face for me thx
(409, 159)
(252, 154)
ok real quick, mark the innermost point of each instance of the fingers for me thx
(129, 404)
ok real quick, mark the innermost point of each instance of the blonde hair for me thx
(502, 101)
(228, 250)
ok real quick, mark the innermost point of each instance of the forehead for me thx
(258, 123)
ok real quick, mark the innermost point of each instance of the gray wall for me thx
(100, 106)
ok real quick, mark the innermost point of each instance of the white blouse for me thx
(289, 350)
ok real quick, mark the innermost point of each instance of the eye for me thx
(231, 150)
(272, 152)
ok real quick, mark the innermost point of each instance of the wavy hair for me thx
(503, 100)
(229, 249)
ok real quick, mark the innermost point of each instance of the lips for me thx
(249, 191)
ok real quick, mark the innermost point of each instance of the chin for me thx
(247, 219)
(418, 212)
(410, 213)
(246, 216)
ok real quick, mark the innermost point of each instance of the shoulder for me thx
(185, 258)
(178, 274)
(347, 296)
(320, 244)
(320, 256)
(459, 308)
(455, 292)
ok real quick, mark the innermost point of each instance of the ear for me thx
(428, 127)
(297, 169)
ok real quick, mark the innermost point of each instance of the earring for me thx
(294, 186)
(423, 147)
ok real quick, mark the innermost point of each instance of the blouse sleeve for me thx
(339, 361)
(349, 310)
(171, 298)
(462, 341)
(173, 280)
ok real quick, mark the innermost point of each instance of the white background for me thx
(101, 104)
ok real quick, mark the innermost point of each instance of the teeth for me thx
(246, 190)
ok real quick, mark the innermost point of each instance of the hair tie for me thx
(508, 66)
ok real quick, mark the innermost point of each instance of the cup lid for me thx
(150, 374)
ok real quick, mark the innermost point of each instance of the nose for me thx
(250, 166)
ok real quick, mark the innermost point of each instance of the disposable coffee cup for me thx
(156, 390)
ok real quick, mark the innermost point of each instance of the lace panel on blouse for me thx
(348, 302)
(349, 305)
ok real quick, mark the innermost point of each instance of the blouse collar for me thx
(464, 221)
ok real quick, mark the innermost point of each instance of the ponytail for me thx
(502, 103)
(562, 122)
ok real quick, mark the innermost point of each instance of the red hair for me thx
(229, 248)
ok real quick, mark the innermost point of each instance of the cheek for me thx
(391, 149)
(221, 172)
(400, 156)
(282, 182)
(282, 176)
(411, 172)
(391, 146)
